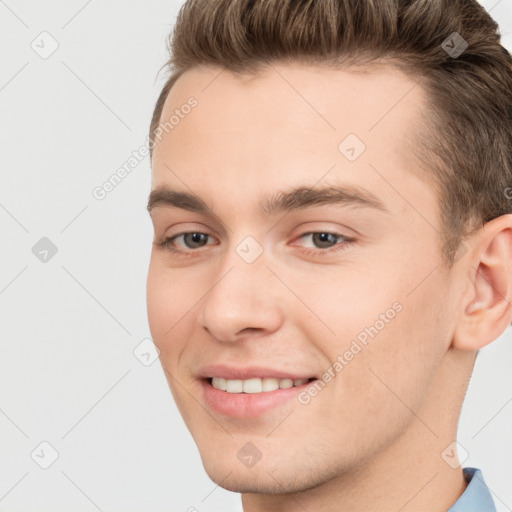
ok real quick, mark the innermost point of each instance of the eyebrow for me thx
(284, 201)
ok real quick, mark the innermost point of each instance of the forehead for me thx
(287, 124)
(299, 96)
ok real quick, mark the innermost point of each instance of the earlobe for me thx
(487, 308)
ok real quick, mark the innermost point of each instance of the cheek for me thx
(173, 296)
(398, 364)
(165, 307)
(157, 298)
(386, 339)
(344, 304)
(165, 304)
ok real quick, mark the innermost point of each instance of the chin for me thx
(272, 477)
(243, 480)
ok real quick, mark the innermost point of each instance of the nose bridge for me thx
(241, 295)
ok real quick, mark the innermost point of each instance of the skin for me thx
(373, 438)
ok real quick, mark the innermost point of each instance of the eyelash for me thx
(168, 244)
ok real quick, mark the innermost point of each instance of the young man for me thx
(333, 240)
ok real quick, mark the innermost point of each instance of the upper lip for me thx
(248, 372)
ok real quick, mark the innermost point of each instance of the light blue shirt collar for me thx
(476, 497)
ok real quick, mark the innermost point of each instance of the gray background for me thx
(70, 324)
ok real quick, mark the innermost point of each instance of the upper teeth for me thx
(255, 385)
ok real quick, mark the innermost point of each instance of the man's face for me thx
(258, 292)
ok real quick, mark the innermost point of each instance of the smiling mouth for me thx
(255, 385)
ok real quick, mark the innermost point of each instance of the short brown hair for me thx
(469, 116)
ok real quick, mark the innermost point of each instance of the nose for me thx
(243, 298)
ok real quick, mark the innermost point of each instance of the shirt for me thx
(476, 497)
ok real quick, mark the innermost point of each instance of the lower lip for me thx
(247, 405)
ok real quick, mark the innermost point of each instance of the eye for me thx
(192, 240)
(322, 240)
(325, 242)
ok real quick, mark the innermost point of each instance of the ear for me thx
(486, 308)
